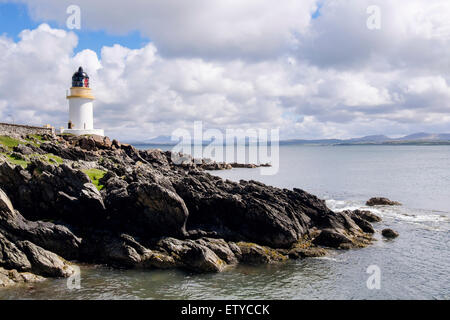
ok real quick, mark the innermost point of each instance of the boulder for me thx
(362, 223)
(252, 253)
(157, 210)
(45, 263)
(379, 201)
(389, 233)
(221, 248)
(9, 278)
(159, 260)
(192, 255)
(366, 215)
(297, 252)
(332, 239)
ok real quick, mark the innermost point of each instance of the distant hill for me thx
(415, 138)
(426, 136)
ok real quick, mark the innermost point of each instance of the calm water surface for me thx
(413, 266)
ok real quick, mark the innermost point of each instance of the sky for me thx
(312, 68)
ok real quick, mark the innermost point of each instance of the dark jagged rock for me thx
(389, 233)
(70, 153)
(192, 255)
(18, 253)
(366, 215)
(361, 222)
(22, 149)
(44, 191)
(12, 257)
(378, 201)
(332, 239)
(44, 262)
(52, 237)
(157, 209)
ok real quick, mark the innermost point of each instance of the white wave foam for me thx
(395, 212)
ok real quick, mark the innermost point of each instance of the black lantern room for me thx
(80, 79)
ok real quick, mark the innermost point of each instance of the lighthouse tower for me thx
(81, 109)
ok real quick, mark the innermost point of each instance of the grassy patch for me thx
(35, 139)
(9, 142)
(95, 175)
(58, 160)
(14, 160)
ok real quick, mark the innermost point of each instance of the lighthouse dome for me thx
(80, 79)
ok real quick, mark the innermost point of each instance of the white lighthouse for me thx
(81, 109)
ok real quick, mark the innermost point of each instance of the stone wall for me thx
(8, 129)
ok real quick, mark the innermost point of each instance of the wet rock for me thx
(44, 262)
(379, 201)
(159, 260)
(201, 258)
(362, 223)
(389, 233)
(332, 239)
(366, 215)
(310, 252)
(192, 255)
(9, 278)
(221, 248)
(252, 253)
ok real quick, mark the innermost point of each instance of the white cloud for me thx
(243, 64)
(232, 28)
(413, 35)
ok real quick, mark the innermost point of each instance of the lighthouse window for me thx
(80, 79)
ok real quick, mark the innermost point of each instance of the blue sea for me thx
(414, 266)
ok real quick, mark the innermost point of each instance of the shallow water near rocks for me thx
(413, 266)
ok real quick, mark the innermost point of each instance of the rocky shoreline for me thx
(89, 199)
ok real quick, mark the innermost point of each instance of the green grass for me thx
(95, 175)
(9, 142)
(58, 160)
(24, 163)
(36, 139)
(17, 161)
